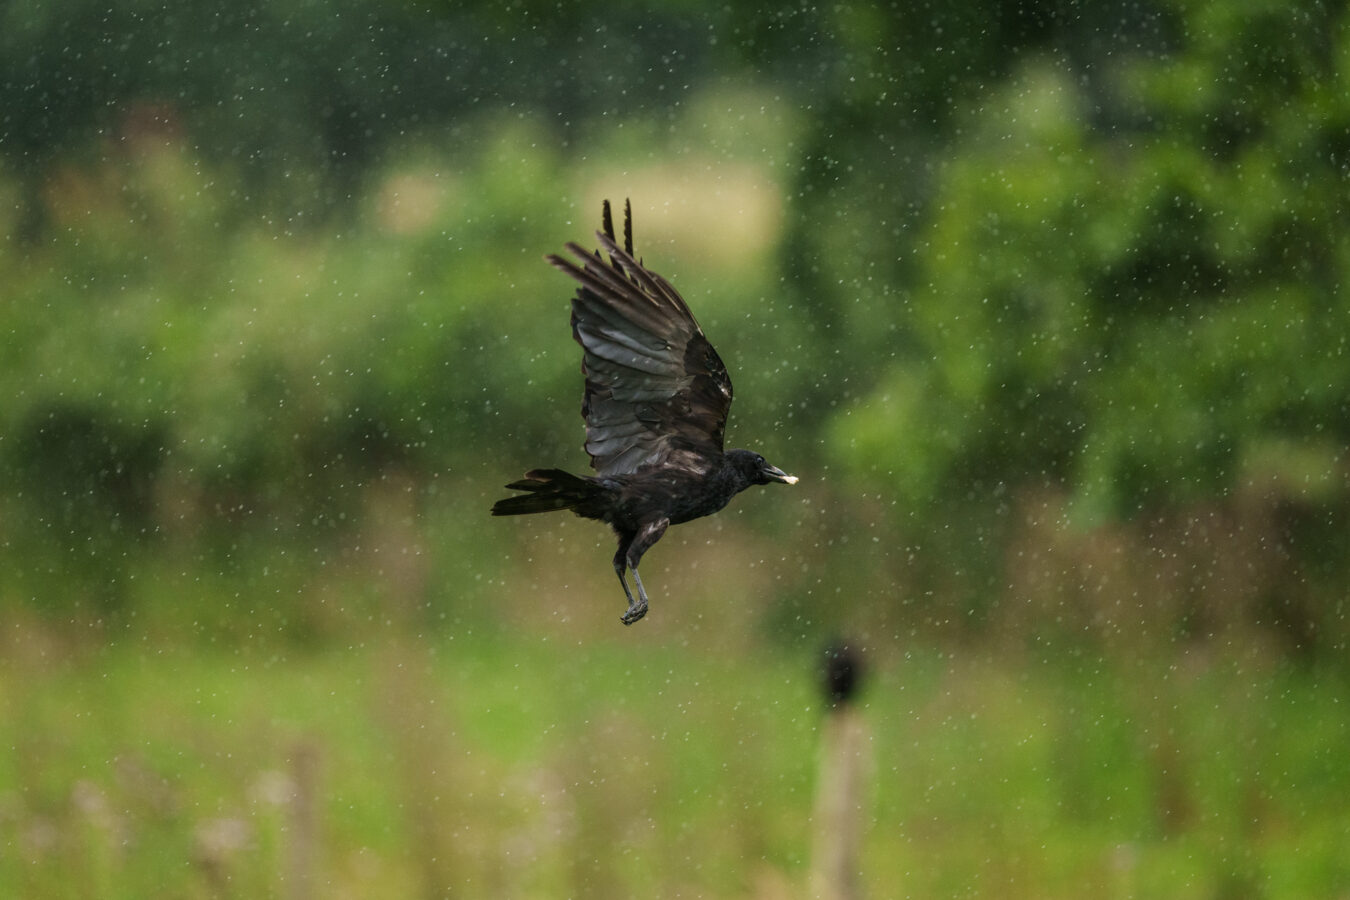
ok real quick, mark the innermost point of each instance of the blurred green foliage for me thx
(1098, 266)
(967, 265)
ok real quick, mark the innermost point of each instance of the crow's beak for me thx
(773, 473)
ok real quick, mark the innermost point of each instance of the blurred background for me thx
(1045, 303)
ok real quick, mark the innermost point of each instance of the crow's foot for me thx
(635, 612)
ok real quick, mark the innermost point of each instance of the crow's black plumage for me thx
(657, 396)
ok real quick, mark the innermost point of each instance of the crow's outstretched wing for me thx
(657, 393)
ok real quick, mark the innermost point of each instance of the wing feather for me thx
(656, 390)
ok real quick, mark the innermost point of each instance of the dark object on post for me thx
(657, 396)
(840, 787)
(843, 669)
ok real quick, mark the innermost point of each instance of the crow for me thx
(656, 402)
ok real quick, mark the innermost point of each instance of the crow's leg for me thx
(636, 612)
(626, 592)
(620, 563)
(647, 535)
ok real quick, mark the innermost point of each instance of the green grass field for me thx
(503, 764)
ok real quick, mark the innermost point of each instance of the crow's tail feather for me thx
(549, 489)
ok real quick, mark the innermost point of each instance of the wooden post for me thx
(840, 787)
(302, 848)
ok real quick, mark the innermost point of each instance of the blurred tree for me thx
(271, 254)
(304, 98)
(1135, 309)
(1132, 292)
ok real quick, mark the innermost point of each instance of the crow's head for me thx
(756, 469)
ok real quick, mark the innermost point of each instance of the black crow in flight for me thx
(657, 396)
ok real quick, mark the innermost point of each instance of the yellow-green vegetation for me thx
(525, 764)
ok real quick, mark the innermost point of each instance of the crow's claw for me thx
(634, 612)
